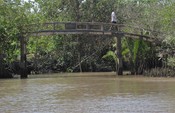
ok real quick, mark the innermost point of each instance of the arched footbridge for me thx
(89, 28)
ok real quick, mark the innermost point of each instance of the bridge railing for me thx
(71, 26)
(84, 26)
(87, 27)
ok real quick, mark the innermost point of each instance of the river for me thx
(87, 94)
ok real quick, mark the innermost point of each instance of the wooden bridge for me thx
(90, 28)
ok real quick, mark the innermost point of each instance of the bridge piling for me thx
(23, 62)
(119, 70)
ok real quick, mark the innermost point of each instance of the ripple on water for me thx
(90, 95)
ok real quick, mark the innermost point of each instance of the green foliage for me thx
(16, 15)
(167, 14)
(111, 56)
(136, 49)
(169, 42)
(160, 72)
(171, 62)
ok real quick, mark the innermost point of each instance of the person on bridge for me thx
(113, 17)
(113, 20)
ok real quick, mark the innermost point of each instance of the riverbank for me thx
(125, 77)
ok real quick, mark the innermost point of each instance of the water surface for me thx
(88, 94)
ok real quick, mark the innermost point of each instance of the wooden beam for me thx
(119, 54)
(23, 63)
(47, 33)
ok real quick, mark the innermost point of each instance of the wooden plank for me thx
(81, 27)
(68, 32)
(70, 26)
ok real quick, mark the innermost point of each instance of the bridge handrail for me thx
(65, 27)
(96, 23)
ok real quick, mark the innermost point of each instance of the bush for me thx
(160, 72)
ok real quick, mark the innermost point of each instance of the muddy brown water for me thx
(87, 93)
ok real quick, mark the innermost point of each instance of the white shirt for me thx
(113, 17)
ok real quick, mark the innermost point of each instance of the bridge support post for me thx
(23, 58)
(119, 70)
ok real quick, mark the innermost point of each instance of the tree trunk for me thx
(1, 65)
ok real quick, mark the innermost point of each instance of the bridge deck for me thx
(57, 32)
(91, 28)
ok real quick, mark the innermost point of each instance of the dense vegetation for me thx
(68, 53)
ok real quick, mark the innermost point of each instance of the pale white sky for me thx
(28, 0)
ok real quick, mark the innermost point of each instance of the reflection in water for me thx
(87, 95)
